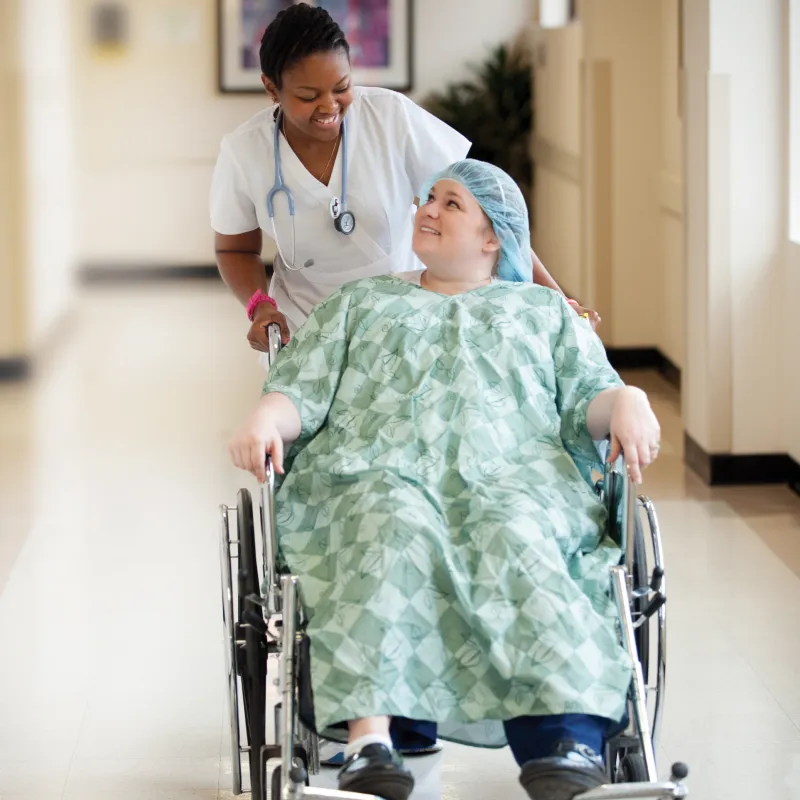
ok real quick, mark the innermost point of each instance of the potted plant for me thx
(494, 110)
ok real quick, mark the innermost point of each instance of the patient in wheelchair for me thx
(434, 435)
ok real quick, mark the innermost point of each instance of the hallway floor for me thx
(112, 465)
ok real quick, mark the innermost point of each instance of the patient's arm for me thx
(275, 423)
(624, 413)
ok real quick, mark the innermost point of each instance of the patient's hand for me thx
(592, 316)
(634, 431)
(256, 439)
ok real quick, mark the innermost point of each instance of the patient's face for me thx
(451, 229)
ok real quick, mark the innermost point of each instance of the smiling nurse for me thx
(330, 172)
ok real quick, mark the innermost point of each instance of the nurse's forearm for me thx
(240, 265)
(542, 276)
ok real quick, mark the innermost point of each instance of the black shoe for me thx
(571, 770)
(377, 770)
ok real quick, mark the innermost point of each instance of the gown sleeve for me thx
(309, 368)
(430, 144)
(582, 371)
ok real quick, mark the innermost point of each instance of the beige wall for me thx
(741, 390)
(673, 267)
(13, 336)
(791, 360)
(36, 187)
(608, 157)
(50, 160)
(557, 214)
(150, 120)
(791, 319)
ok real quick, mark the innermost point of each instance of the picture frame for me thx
(380, 34)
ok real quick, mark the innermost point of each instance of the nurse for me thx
(329, 172)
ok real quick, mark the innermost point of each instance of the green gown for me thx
(450, 548)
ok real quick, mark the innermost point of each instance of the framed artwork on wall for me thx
(379, 33)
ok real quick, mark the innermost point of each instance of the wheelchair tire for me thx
(253, 664)
(641, 578)
(632, 769)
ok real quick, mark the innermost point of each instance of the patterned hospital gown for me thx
(451, 552)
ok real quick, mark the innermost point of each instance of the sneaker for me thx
(377, 770)
(331, 754)
(571, 770)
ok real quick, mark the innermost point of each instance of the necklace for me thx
(330, 158)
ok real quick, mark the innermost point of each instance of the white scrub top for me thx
(393, 147)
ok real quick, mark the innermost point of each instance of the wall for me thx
(736, 225)
(151, 120)
(625, 34)
(13, 339)
(673, 265)
(557, 149)
(602, 158)
(790, 371)
(50, 181)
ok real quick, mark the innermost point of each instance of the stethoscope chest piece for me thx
(345, 223)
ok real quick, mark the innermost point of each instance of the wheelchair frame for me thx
(273, 625)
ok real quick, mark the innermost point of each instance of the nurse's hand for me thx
(592, 316)
(266, 315)
(253, 442)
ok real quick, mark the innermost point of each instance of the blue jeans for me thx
(528, 737)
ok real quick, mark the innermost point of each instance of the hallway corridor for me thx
(112, 465)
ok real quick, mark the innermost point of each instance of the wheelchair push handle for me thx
(274, 341)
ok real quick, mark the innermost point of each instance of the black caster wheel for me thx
(632, 769)
(300, 775)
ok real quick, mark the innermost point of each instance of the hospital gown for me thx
(451, 553)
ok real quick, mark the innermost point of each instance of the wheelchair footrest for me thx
(667, 790)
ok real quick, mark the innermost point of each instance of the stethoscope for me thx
(343, 220)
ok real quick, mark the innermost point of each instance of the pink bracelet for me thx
(256, 300)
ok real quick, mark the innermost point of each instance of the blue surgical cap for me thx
(502, 201)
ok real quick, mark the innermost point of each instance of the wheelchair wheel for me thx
(632, 769)
(253, 660)
(641, 578)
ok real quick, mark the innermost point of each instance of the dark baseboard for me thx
(726, 469)
(794, 476)
(15, 369)
(93, 274)
(644, 358)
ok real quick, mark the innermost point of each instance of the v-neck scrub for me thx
(393, 146)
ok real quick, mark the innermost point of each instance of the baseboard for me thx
(794, 475)
(15, 369)
(726, 469)
(92, 274)
(644, 358)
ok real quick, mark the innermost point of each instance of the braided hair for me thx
(296, 32)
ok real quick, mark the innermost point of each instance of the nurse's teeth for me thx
(425, 229)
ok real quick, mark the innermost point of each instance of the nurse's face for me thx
(315, 94)
(452, 233)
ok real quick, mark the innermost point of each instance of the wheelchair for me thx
(265, 640)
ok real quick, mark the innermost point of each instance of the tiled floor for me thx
(112, 464)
